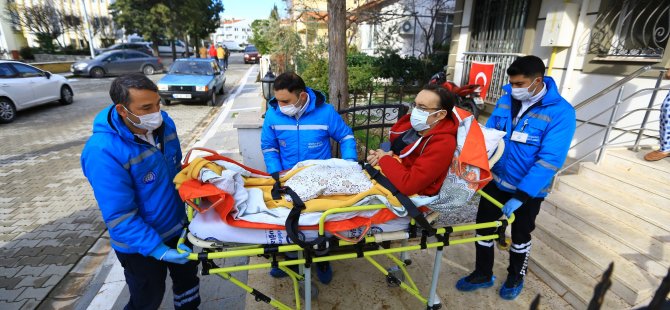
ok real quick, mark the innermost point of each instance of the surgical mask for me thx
(522, 93)
(148, 122)
(290, 109)
(419, 119)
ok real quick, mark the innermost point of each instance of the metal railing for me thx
(613, 119)
(502, 61)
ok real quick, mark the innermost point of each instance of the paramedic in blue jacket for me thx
(130, 161)
(298, 126)
(539, 125)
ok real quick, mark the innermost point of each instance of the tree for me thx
(148, 18)
(259, 30)
(338, 88)
(434, 9)
(103, 27)
(42, 20)
(199, 18)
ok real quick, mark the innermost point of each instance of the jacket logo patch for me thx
(313, 145)
(149, 178)
(282, 143)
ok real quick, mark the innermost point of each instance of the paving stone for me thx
(9, 283)
(49, 242)
(69, 234)
(12, 305)
(27, 251)
(8, 236)
(9, 295)
(28, 243)
(53, 280)
(31, 281)
(31, 271)
(48, 234)
(31, 260)
(52, 250)
(57, 270)
(30, 304)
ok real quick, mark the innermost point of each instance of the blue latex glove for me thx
(164, 253)
(511, 206)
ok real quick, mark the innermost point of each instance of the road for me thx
(48, 215)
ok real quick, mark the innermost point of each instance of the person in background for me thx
(298, 126)
(130, 161)
(221, 54)
(203, 52)
(664, 130)
(212, 52)
(539, 125)
(225, 57)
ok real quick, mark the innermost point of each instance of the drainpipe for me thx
(566, 88)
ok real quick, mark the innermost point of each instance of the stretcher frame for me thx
(219, 250)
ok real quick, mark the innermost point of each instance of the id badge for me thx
(519, 136)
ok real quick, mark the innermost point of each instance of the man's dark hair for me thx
(447, 98)
(120, 89)
(291, 82)
(529, 66)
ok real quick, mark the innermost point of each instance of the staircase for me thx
(617, 211)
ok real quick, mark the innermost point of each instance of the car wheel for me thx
(221, 91)
(7, 111)
(66, 95)
(97, 72)
(166, 102)
(148, 70)
(212, 100)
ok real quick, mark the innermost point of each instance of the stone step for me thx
(568, 280)
(637, 247)
(629, 282)
(634, 161)
(590, 192)
(617, 178)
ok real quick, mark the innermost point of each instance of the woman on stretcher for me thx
(422, 144)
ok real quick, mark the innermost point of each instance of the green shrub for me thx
(26, 53)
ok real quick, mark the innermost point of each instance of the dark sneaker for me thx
(474, 281)
(324, 272)
(511, 288)
(275, 272)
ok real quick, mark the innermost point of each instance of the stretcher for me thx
(383, 222)
(388, 235)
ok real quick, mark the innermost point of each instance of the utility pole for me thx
(88, 27)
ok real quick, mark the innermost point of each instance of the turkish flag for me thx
(481, 73)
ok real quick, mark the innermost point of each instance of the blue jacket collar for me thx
(109, 121)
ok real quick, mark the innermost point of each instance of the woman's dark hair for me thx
(529, 66)
(291, 82)
(447, 98)
(120, 89)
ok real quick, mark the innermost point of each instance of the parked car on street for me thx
(23, 86)
(138, 46)
(251, 55)
(192, 79)
(117, 62)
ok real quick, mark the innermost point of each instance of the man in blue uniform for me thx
(298, 126)
(539, 125)
(130, 161)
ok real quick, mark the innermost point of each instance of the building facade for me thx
(232, 29)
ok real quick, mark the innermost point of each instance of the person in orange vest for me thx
(203, 52)
(212, 52)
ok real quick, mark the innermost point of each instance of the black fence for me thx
(372, 112)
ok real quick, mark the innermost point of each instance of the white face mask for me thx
(290, 109)
(419, 119)
(522, 93)
(148, 122)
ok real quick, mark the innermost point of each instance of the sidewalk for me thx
(108, 289)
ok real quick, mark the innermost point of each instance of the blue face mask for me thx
(419, 119)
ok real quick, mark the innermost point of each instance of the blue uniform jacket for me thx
(285, 140)
(132, 182)
(526, 169)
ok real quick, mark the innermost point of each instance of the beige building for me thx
(13, 38)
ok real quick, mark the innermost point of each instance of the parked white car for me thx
(23, 86)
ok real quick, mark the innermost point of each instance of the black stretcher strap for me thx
(293, 219)
(412, 210)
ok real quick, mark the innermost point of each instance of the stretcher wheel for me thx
(408, 262)
(394, 277)
(315, 290)
(508, 244)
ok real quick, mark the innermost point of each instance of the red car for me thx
(251, 55)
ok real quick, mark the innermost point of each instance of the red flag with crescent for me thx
(481, 73)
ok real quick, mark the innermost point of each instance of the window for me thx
(443, 24)
(631, 28)
(114, 57)
(6, 71)
(133, 55)
(26, 71)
